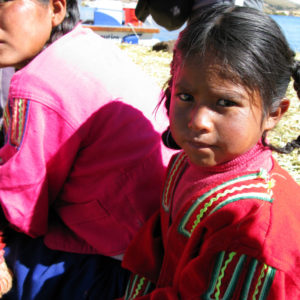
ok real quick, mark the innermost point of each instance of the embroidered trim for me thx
(222, 263)
(137, 286)
(223, 269)
(6, 117)
(5, 125)
(172, 177)
(260, 196)
(259, 281)
(217, 198)
(16, 122)
(248, 280)
(232, 270)
(268, 274)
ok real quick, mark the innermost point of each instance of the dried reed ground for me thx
(157, 65)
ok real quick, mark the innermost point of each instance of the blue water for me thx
(290, 26)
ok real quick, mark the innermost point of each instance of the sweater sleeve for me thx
(232, 276)
(38, 153)
(144, 254)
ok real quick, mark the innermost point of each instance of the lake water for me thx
(290, 26)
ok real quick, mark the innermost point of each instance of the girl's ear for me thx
(274, 117)
(59, 8)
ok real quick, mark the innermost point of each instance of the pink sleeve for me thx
(115, 183)
(31, 163)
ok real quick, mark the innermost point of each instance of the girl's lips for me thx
(199, 145)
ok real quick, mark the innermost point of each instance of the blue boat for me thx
(115, 20)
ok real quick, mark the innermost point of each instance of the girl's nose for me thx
(201, 119)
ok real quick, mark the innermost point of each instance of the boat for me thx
(116, 20)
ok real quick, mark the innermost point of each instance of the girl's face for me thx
(213, 119)
(25, 27)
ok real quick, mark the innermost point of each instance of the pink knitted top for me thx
(256, 158)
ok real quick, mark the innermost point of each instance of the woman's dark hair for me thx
(70, 21)
(249, 47)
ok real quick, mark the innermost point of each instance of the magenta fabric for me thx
(83, 145)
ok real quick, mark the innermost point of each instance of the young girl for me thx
(81, 168)
(228, 227)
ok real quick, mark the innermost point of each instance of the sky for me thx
(296, 1)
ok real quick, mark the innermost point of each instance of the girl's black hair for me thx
(250, 48)
(70, 21)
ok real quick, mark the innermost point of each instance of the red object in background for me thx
(131, 18)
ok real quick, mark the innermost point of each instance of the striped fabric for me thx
(15, 119)
(137, 286)
(234, 270)
(252, 186)
(175, 170)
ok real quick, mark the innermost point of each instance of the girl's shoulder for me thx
(283, 178)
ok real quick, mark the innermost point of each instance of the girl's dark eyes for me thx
(226, 103)
(220, 102)
(185, 97)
